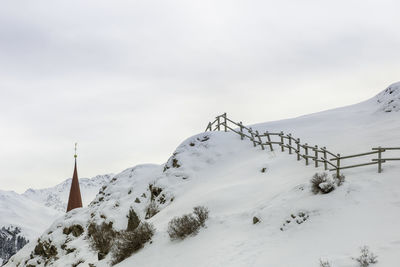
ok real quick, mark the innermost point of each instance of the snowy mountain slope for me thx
(223, 173)
(36, 209)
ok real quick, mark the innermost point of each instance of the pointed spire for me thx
(75, 199)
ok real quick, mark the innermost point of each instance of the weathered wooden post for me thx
(269, 140)
(316, 156)
(298, 148)
(290, 143)
(282, 142)
(209, 127)
(325, 157)
(259, 139)
(241, 130)
(218, 123)
(338, 166)
(306, 152)
(252, 136)
(379, 159)
(225, 123)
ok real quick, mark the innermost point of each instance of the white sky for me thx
(130, 80)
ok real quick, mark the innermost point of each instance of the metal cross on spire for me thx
(75, 156)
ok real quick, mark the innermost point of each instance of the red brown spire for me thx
(75, 199)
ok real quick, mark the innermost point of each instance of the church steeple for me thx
(75, 199)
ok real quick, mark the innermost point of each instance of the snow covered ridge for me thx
(389, 99)
(238, 182)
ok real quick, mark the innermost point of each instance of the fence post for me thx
(290, 143)
(338, 166)
(282, 142)
(225, 122)
(252, 136)
(218, 123)
(379, 159)
(316, 156)
(241, 130)
(259, 139)
(269, 140)
(298, 148)
(325, 157)
(208, 126)
(306, 151)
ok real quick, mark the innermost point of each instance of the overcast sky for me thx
(130, 80)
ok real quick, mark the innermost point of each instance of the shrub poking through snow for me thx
(188, 224)
(201, 214)
(133, 220)
(76, 230)
(324, 263)
(339, 180)
(128, 242)
(366, 258)
(152, 210)
(322, 183)
(45, 249)
(102, 238)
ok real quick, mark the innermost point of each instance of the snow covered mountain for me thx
(34, 210)
(57, 197)
(239, 183)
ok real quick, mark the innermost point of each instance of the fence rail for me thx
(304, 151)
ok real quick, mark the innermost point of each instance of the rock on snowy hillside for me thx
(389, 99)
(238, 182)
(34, 210)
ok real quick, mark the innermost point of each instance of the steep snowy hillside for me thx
(36, 209)
(238, 182)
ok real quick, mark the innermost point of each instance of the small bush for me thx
(324, 263)
(45, 249)
(76, 230)
(181, 227)
(133, 220)
(366, 258)
(102, 238)
(152, 210)
(339, 180)
(188, 224)
(322, 183)
(129, 242)
(202, 214)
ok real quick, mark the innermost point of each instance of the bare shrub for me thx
(324, 263)
(128, 242)
(152, 210)
(102, 238)
(366, 258)
(133, 220)
(181, 227)
(201, 213)
(322, 183)
(187, 224)
(45, 249)
(75, 229)
(339, 179)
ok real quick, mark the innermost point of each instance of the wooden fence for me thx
(311, 154)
